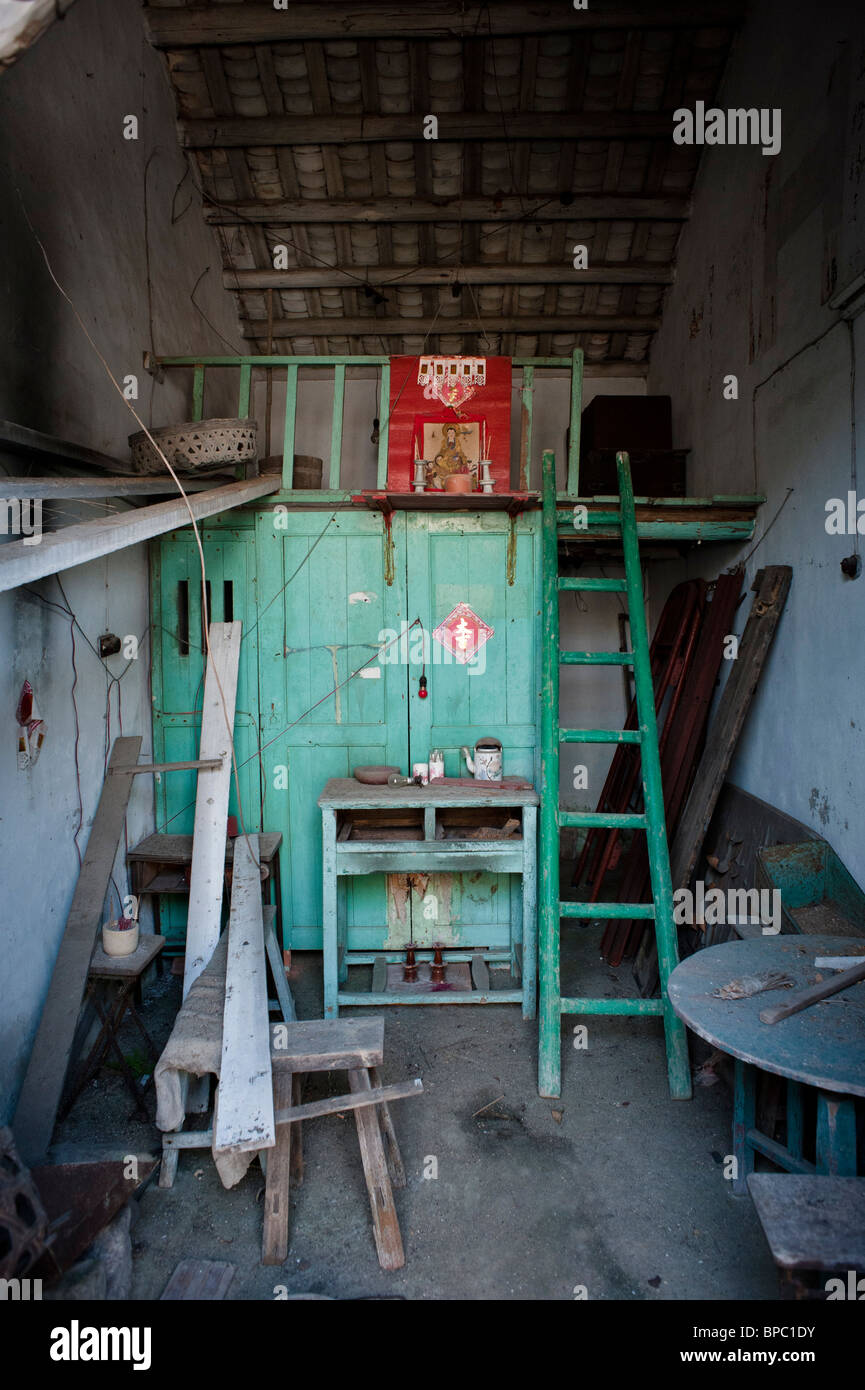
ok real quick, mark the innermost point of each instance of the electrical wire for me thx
(154, 445)
(327, 696)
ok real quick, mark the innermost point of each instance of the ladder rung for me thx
(604, 820)
(603, 586)
(596, 658)
(589, 911)
(611, 1006)
(600, 736)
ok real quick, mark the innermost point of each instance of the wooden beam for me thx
(236, 132)
(59, 489)
(19, 439)
(589, 207)
(244, 1102)
(397, 328)
(207, 871)
(207, 764)
(49, 1060)
(308, 277)
(336, 1105)
(21, 563)
(771, 587)
(196, 26)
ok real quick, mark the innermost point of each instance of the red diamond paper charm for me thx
(463, 633)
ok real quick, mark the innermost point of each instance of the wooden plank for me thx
(244, 1112)
(336, 424)
(382, 211)
(811, 1222)
(277, 965)
(206, 764)
(289, 427)
(806, 997)
(534, 273)
(771, 587)
(379, 973)
(238, 132)
(199, 1280)
(388, 1133)
(57, 489)
(19, 439)
(21, 563)
(480, 973)
(393, 328)
(49, 1059)
(385, 1224)
(274, 1239)
(196, 25)
(327, 1044)
(335, 1105)
(211, 801)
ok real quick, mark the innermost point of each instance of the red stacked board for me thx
(489, 408)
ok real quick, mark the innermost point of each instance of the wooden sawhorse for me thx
(357, 1046)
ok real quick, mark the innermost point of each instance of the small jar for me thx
(436, 765)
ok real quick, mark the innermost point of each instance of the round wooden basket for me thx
(200, 446)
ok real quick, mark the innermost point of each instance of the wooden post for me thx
(49, 1060)
(549, 1041)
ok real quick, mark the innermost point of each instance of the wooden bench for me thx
(357, 1046)
(812, 1224)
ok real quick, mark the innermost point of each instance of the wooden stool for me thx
(124, 973)
(354, 1045)
(812, 1224)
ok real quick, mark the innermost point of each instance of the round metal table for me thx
(823, 1046)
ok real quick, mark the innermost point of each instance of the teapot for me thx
(486, 766)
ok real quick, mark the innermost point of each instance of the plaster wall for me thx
(123, 230)
(771, 242)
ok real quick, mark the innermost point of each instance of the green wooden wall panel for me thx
(310, 590)
(326, 626)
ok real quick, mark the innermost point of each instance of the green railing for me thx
(528, 366)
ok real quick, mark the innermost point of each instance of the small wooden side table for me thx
(160, 864)
(124, 973)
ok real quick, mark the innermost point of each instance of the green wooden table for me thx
(356, 840)
(823, 1046)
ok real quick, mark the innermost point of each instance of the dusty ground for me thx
(621, 1191)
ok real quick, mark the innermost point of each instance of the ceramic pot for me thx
(119, 943)
(459, 482)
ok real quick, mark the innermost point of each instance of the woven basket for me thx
(23, 1222)
(200, 446)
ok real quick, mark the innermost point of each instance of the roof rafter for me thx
(381, 276)
(197, 25)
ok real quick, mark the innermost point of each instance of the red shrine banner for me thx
(423, 425)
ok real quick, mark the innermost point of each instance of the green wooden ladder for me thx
(552, 909)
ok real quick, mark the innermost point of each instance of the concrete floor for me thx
(614, 1188)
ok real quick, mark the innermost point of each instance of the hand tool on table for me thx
(814, 994)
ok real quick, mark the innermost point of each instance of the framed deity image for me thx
(448, 445)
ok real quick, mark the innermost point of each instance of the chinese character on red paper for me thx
(463, 633)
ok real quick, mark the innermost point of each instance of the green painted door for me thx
(455, 558)
(327, 620)
(310, 590)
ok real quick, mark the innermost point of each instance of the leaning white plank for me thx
(207, 870)
(22, 562)
(244, 1108)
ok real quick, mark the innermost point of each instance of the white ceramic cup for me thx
(421, 770)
